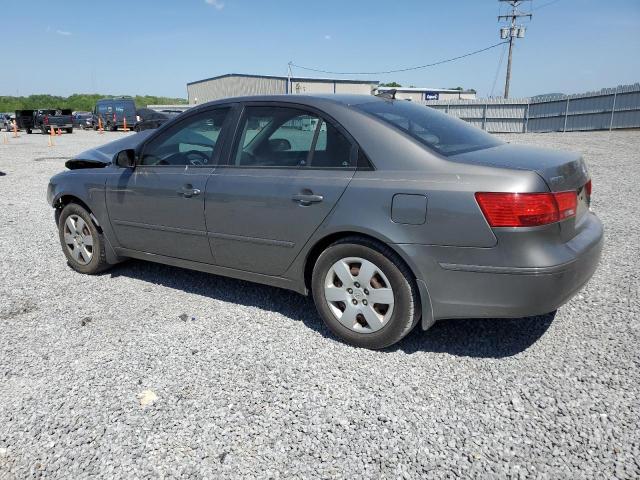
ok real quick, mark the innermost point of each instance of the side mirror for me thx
(279, 145)
(126, 158)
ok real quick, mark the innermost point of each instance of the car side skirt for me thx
(273, 281)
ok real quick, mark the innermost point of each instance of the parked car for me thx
(388, 212)
(148, 119)
(113, 112)
(24, 120)
(83, 120)
(45, 119)
(6, 121)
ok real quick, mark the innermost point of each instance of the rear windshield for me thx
(444, 134)
(126, 107)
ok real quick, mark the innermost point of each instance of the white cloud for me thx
(63, 32)
(217, 4)
(327, 37)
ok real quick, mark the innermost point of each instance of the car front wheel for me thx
(82, 243)
(365, 293)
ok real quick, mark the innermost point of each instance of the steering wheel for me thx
(201, 157)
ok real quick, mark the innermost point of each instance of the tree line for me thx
(77, 101)
(397, 85)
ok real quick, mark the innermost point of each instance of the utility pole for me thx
(512, 31)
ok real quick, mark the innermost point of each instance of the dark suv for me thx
(113, 112)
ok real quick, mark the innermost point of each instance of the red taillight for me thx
(587, 188)
(46, 120)
(526, 209)
(567, 203)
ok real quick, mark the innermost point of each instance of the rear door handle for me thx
(188, 192)
(307, 199)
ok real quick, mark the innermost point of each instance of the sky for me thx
(155, 47)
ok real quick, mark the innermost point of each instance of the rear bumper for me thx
(473, 289)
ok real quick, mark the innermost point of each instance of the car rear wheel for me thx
(365, 293)
(82, 243)
(69, 130)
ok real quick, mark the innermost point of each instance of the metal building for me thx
(421, 94)
(235, 85)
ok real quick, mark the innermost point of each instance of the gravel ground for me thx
(154, 371)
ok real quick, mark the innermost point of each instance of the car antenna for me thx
(390, 94)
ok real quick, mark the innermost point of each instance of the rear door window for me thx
(273, 136)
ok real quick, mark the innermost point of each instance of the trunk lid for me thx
(561, 171)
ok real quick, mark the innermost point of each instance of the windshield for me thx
(438, 131)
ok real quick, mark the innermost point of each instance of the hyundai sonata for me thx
(389, 213)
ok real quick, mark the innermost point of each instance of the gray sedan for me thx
(389, 213)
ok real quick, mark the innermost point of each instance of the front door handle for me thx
(187, 191)
(307, 199)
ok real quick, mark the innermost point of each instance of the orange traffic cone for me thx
(125, 125)
(59, 132)
(52, 136)
(15, 130)
(100, 129)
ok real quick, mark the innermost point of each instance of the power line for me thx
(399, 69)
(544, 5)
(495, 79)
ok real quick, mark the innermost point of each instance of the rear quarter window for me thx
(438, 131)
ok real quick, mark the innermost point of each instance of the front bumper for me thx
(477, 289)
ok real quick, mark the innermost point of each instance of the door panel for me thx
(254, 222)
(155, 210)
(158, 207)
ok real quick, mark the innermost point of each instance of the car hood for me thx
(103, 155)
(561, 170)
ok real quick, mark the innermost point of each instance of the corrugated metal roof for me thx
(423, 89)
(281, 77)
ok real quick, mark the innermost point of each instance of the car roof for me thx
(309, 100)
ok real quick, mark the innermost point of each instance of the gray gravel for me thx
(151, 371)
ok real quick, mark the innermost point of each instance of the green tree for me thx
(77, 101)
(391, 84)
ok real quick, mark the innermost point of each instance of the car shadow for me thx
(477, 337)
(480, 338)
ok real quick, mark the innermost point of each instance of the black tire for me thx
(98, 261)
(43, 130)
(28, 131)
(406, 311)
(70, 130)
